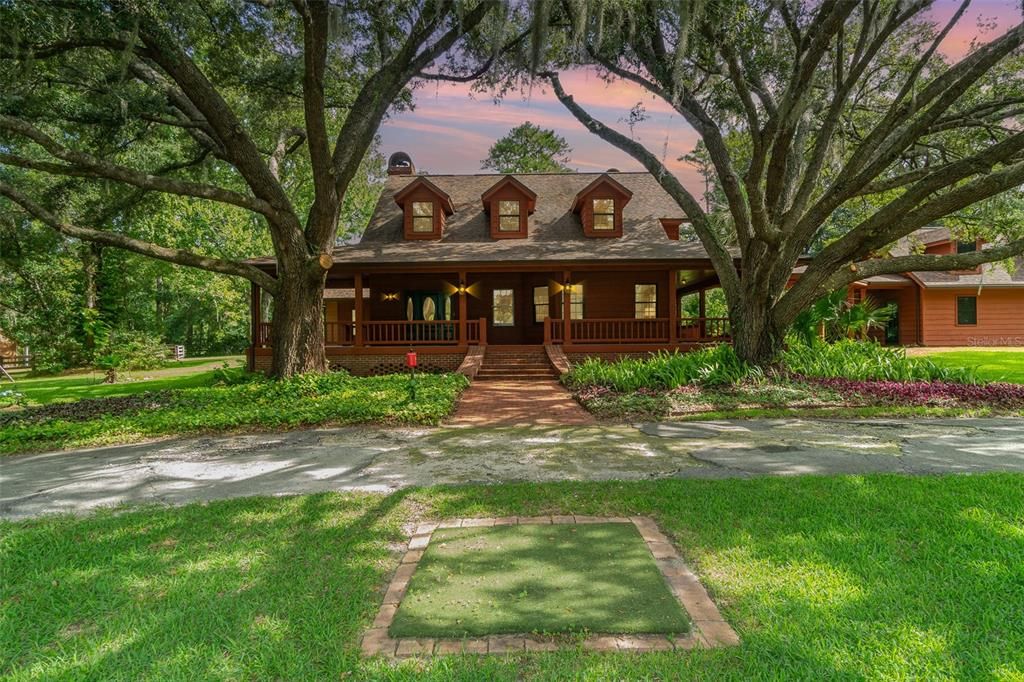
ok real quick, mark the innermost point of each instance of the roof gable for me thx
(423, 183)
(509, 181)
(602, 182)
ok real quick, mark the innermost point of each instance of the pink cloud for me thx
(452, 127)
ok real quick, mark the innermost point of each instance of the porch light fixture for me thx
(390, 296)
(461, 289)
(568, 286)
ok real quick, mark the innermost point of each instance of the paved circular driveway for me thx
(379, 459)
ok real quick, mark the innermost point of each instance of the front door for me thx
(428, 306)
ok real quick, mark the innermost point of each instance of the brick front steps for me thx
(515, 364)
(709, 629)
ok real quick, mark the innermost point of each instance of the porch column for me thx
(463, 310)
(673, 307)
(566, 306)
(254, 317)
(702, 311)
(255, 312)
(358, 307)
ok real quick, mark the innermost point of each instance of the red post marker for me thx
(410, 359)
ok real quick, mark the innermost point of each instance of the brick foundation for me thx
(389, 363)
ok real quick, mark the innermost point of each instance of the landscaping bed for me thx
(849, 379)
(855, 577)
(249, 401)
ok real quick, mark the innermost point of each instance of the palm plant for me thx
(833, 317)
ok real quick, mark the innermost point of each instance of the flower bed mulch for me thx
(88, 408)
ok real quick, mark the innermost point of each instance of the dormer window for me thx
(966, 247)
(600, 205)
(508, 216)
(424, 209)
(423, 216)
(604, 214)
(509, 203)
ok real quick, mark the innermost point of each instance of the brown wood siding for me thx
(605, 295)
(611, 294)
(378, 309)
(586, 208)
(1000, 318)
(509, 193)
(423, 194)
(906, 300)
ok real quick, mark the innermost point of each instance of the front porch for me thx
(372, 318)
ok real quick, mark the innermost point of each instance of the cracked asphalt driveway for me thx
(383, 459)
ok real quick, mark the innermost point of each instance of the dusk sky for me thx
(451, 129)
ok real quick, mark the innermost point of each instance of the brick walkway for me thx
(519, 403)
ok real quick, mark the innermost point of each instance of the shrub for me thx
(127, 351)
(641, 405)
(1001, 395)
(12, 398)
(863, 361)
(712, 366)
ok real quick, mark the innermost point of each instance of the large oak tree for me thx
(836, 122)
(261, 106)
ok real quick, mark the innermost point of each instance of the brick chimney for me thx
(400, 163)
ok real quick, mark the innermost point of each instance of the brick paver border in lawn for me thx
(709, 629)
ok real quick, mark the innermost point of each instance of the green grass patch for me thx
(988, 365)
(256, 402)
(191, 373)
(856, 577)
(550, 579)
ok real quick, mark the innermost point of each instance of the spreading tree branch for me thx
(717, 252)
(121, 241)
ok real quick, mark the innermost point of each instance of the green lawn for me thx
(877, 577)
(76, 386)
(992, 365)
(548, 579)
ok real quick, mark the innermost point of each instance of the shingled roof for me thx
(555, 232)
(991, 275)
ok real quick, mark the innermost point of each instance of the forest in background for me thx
(73, 303)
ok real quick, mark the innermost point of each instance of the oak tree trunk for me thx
(755, 337)
(297, 333)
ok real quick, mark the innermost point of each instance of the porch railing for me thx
(476, 332)
(704, 328)
(640, 331)
(339, 333)
(652, 330)
(393, 333)
(405, 332)
(263, 334)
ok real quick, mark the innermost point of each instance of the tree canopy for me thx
(528, 148)
(266, 110)
(838, 124)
